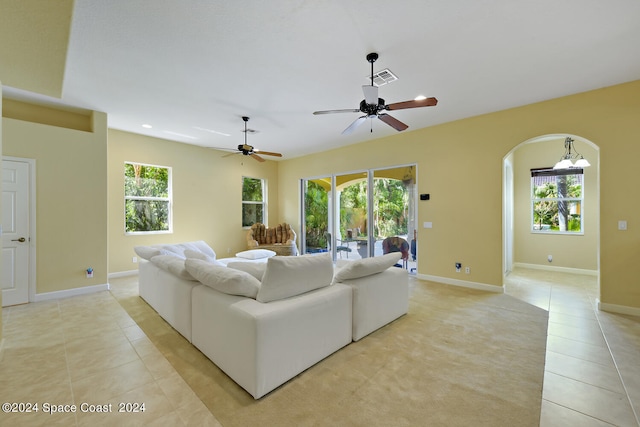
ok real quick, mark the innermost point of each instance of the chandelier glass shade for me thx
(571, 158)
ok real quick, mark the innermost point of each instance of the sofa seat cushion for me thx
(287, 276)
(223, 279)
(366, 266)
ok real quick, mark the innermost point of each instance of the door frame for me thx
(32, 222)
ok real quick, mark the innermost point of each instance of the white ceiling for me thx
(183, 66)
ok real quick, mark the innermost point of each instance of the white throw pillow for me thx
(255, 269)
(188, 253)
(287, 276)
(223, 279)
(173, 265)
(367, 266)
(256, 254)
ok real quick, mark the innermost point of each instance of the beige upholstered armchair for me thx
(281, 239)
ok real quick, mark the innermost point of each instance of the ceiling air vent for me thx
(383, 77)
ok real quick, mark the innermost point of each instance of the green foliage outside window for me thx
(391, 201)
(147, 198)
(390, 209)
(557, 203)
(316, 209)
(253, 197)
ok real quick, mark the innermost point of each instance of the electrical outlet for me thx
(134, 260)
(467, 270)
(458, 267)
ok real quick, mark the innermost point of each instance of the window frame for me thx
(168, 199)
(262, 203)
(548, 171)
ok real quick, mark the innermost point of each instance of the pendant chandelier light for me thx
(570, 154)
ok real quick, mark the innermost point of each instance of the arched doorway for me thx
(548, 249)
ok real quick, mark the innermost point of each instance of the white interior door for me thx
(15, 232)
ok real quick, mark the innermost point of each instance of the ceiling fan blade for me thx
(370, 94)
(267, 153)
(427, 102)
(258, 158)
(354, 125)
(393, 122)
(232, 154)
(352, 110)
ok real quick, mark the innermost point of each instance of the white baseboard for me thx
(619, 309)
(122, 274)
(462, 283)
(71, 292)
(556, 269)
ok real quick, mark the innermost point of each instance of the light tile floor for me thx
(88, 349)
(592, 370)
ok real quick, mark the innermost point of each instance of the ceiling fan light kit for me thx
(373, 106)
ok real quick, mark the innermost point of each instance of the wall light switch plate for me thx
(427, 224)
(622, 225)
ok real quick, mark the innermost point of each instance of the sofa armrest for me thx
(378, 299)
(263, 345)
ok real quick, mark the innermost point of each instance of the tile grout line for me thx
(579, 412)
(66, 358)
(624, 386)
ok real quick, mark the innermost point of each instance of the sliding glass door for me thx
(316, 199)
(351, 214)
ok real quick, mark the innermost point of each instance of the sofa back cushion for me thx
(178, 249)
(173, 265)
(366, 266)
(223, 279)
(190, 253)
(253, 268)
(287, 276)
(148, 252)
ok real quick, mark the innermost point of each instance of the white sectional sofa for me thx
(264, 321)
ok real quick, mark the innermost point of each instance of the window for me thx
(147, 198)
(254, 201)
(556, 200)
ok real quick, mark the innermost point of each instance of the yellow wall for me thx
(207, 195)
(570, 251)
(71, 199)
(460, 165)
(1, 218)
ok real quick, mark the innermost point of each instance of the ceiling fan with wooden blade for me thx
(373, 107)
(248, 150)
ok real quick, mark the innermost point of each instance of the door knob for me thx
(21, 240)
